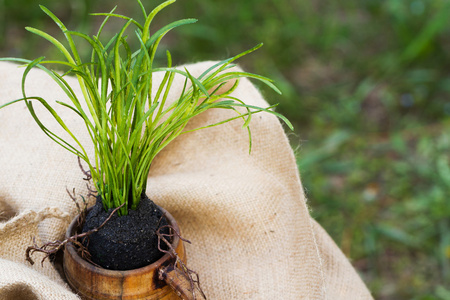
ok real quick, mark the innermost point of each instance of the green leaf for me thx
(397, 234)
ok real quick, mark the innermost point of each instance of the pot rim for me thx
(164, 260)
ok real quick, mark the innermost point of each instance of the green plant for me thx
(128, 126)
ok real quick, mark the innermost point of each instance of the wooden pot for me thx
(91, 282)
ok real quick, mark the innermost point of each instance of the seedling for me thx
(127, 124)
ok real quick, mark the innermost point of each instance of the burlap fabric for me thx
(246, 215)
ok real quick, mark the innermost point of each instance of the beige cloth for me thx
(246, 215)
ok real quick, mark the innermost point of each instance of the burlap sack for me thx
(246, 215)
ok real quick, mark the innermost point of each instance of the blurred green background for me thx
(366, 84)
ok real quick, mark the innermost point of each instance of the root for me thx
(50, 249)
(86, 173)
(92, 193)
(170, 274)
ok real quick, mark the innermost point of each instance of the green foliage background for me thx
(367, 86)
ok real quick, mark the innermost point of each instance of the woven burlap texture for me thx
(245, 214)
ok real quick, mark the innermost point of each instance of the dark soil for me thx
(125, 242)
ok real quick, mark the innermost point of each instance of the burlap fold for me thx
(246, 215)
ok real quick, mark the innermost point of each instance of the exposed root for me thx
(88, 178)
(171, 274)
(92, 193)
(86, 173)
(74, 199)
(81, 211)
(50, 249)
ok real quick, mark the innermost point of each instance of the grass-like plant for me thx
(127, 125)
